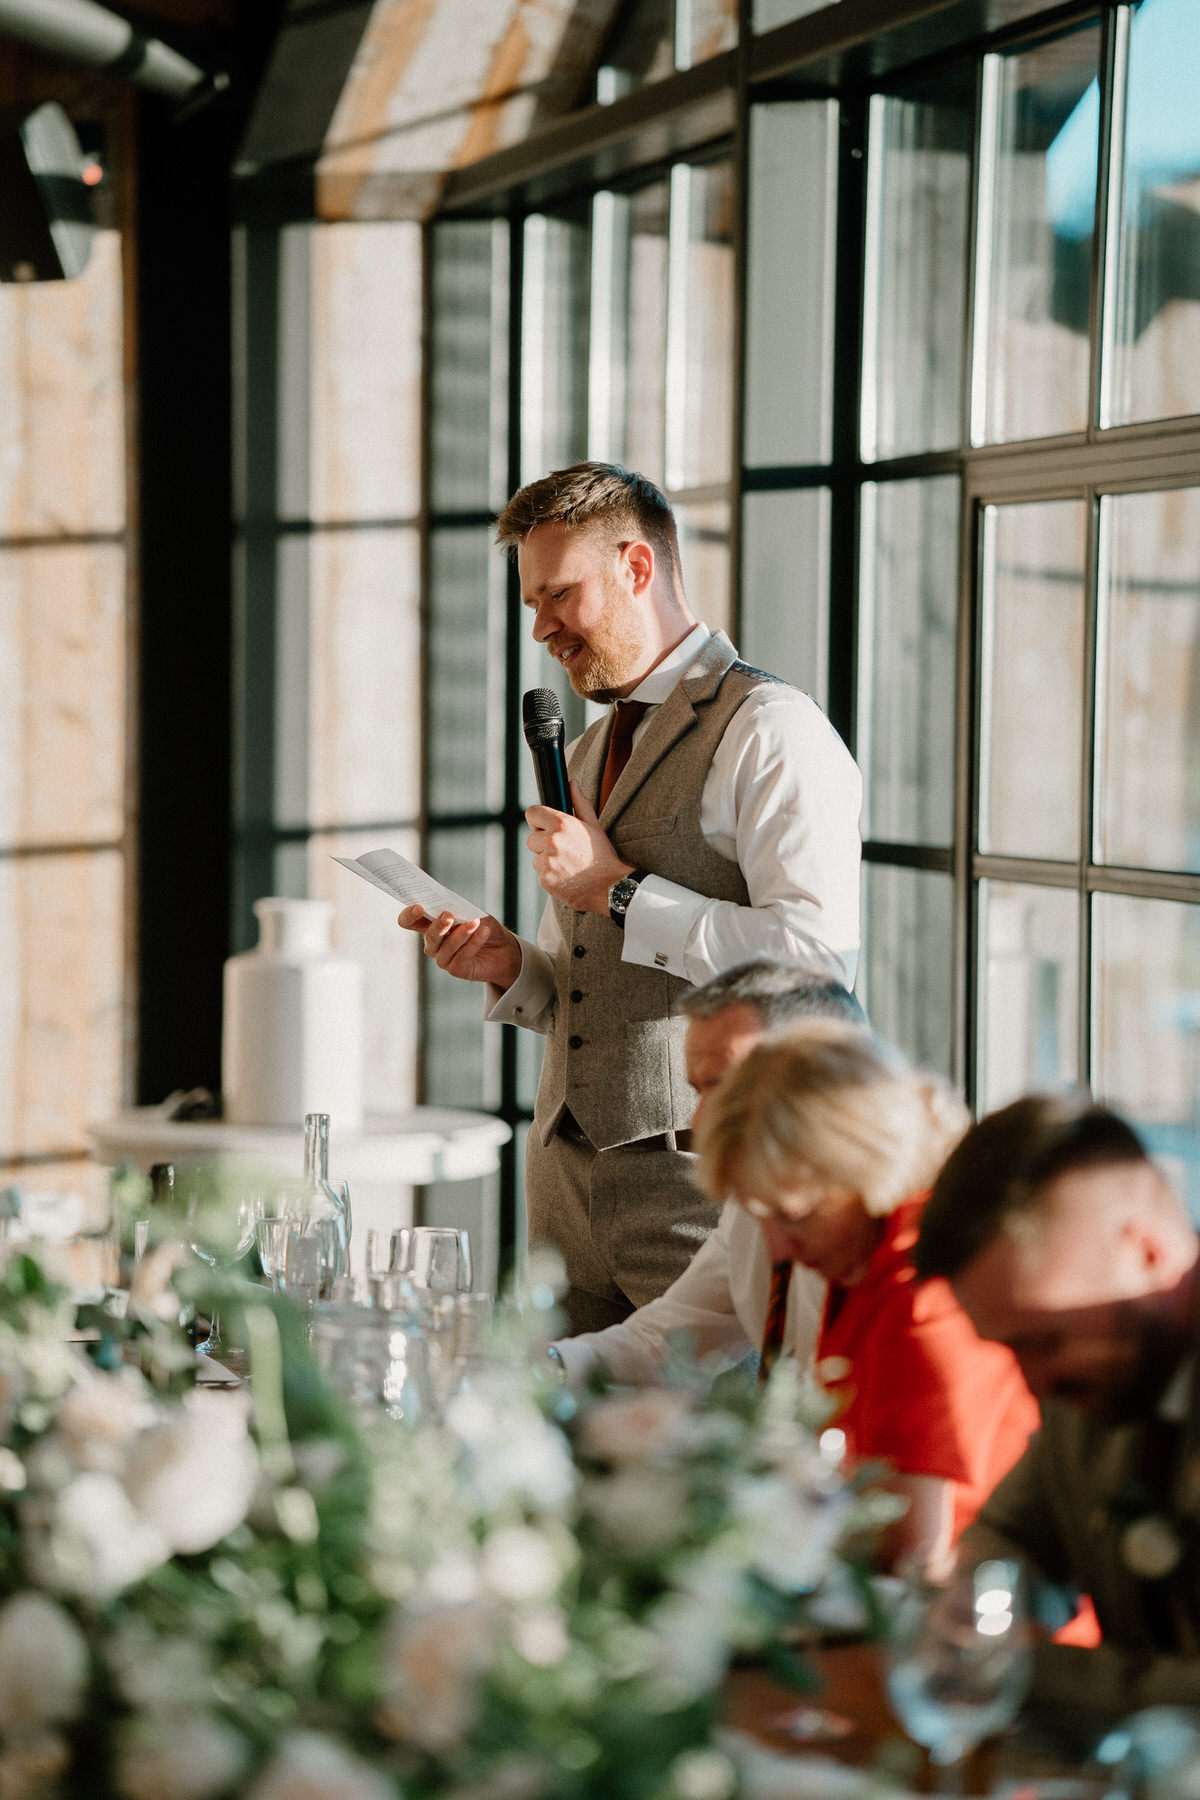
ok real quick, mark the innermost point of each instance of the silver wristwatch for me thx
(620, 896)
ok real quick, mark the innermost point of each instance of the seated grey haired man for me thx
(719, 1303)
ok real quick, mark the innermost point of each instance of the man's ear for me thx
(639, 559)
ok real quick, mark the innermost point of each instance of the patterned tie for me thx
(628, 716)
(772, 1337)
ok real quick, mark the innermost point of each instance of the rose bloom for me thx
(521, 1564)
(431, 1662)
(93, 1540)
(193, 1477)
(643, 1510)
(307, 1766)
(43, 1665)
(637, 1427)
(100, 1415)
(177, 1756)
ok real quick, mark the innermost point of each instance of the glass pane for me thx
(1028, 990)
(790, 282)
(907, 633)
(1034, 277)
(642, 50)
(703, 28)
(363, 644)
(1148, 751)
(1031, 705)
(61, 999)
(905, 972)
(1153, 365)
(1146, 975)
(628, 331)
(465, 757)
(461, 1053)
(785, 586)
(62, 423)
(468, 374)
(704, 552)
(768, 13)
(554, 344)
(700, 326)
(62, 694)
(918, 208)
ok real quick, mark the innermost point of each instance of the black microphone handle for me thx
(550, 768)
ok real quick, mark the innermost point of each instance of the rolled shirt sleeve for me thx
(782, 800)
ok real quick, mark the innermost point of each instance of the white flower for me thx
(704, 1774)
(93, 1541)
(99, 1417)
(308, 1766)
(692, 1649)
(642, 1509)
(521, 1564)
(43, 1665)
(515, 1452)
(792, 1537)
(1151, 1547)
(185, 1756)
(167, 1673)
(431, 1662)
(541, 1637)
(656, 1422)
(193, 1477)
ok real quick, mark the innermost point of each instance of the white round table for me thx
(392, 1154)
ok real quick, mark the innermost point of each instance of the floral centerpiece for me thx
(207, 1594)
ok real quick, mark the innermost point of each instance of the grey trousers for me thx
(626, 1222)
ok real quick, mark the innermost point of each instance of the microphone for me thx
(545, 733)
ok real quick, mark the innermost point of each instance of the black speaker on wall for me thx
(46, 219)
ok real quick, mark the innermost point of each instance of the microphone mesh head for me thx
(541, 706)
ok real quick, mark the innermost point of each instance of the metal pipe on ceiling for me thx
(82, 31)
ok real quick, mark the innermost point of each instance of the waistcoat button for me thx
(576, 995)
(575, 1043)
(579, 950)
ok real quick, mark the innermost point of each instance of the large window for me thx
(955, 316)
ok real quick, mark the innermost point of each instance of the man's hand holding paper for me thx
(479, 950)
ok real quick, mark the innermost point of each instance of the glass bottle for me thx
(328, 1212)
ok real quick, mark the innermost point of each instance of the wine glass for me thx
(436, 1257)
(222, 1235)
(958, 1662)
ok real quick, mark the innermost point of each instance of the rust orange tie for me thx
(626, 719)
(776, 1319)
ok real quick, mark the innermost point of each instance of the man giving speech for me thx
(716, 818)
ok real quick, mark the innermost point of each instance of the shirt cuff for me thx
(530, 994)
(579, 1360)
(659, 923)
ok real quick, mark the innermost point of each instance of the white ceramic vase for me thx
(292, 1036)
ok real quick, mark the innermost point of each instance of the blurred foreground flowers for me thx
(265, 1594)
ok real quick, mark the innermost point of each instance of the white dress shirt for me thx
(782, 800)
(719, 1304)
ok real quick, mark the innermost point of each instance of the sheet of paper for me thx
(410, 885)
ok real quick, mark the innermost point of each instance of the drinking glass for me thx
(436, 1257)
(303, 1269)
(236, 1225)
(272, 1236)
(958, 1662)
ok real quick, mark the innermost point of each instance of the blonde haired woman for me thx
(832, 1142)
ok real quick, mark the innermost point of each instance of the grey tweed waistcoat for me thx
(614, 1057)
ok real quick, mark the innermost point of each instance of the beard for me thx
(610, 659)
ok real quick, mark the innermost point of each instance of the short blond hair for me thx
(832, 1101)
(605, 498)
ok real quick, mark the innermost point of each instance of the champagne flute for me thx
(958, 1662)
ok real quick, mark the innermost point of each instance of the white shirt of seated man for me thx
(719, 1303)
